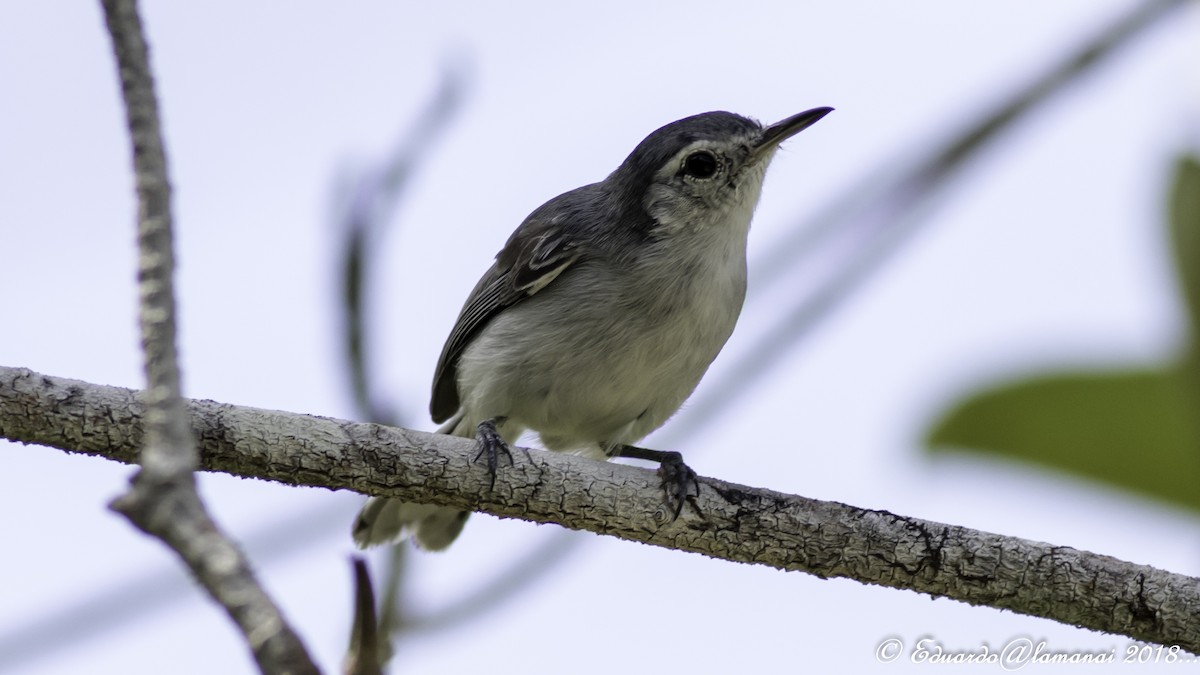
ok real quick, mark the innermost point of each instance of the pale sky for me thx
(1049, 251)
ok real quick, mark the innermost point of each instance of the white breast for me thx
(612, 349)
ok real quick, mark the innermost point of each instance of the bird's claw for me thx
(678, 482)
(491, 445)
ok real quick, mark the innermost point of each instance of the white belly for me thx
(603, 367)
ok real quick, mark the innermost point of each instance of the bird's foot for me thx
(679, 482)
(492, 446)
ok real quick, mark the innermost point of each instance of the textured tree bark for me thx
(162, 500)
(726, 521)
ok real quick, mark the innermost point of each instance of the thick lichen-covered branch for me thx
(726, 521)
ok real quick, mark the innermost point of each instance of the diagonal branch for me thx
(731, 522)
(162, 499)
(373, 197)
(882, 214)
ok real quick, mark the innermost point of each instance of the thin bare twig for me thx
(162, 500)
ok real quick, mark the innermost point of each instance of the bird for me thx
(602, 312)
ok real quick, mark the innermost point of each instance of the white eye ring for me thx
(701, 164)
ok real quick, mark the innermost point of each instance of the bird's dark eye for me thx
(702, 164)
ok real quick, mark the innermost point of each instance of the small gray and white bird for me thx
(603, 311)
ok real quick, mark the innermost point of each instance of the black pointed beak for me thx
(785, 129)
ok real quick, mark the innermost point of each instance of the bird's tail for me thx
(433, 528)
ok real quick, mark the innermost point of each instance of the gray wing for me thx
(536, 253)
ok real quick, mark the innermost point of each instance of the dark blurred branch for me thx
(363, 658)
(531, 568)
(952, 156)
(374, 198)
(873, 200)
(162, 499)
(726, 521)
(394, 614)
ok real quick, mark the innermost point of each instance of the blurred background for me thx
(925, 304)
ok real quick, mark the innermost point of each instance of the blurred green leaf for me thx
(1184, 218)
(1137, 429)
(1131, 429)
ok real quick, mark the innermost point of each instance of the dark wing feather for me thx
(533, 257)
